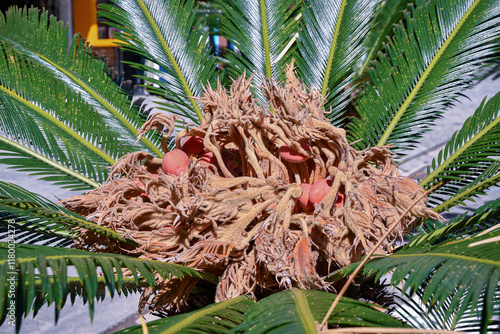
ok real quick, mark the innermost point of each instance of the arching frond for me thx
(435, 54)
(411, 309)
(463, 225)
(45, 42)
(456, 275)
(468, 163)
(294, 311)
(41, 115)
(37, 220)
(215, 318)
(51, 263)
(265, 33)
(166, 33)
(298, 311)
(330, 45)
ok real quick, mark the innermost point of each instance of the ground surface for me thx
(112, 315)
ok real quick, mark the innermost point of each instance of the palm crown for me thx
(396, 65)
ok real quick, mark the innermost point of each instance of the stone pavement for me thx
(112, 315)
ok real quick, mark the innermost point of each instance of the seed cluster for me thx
(266, 197)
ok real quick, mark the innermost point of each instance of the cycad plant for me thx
(247, 206)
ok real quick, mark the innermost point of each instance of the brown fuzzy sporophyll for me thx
(266, 200)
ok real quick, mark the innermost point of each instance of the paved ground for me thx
(112, 315)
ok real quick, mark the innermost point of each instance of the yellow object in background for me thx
(85, 22)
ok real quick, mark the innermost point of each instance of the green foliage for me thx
(65, 117)
(166, 33)
(293, 311)
(216, 318)
(330, 45)
(388, 13)
(434, 55)
(45, 42)
(468, 163)
(33, 263)
(263, 31)
(44, 220)
(461, 226)
(456, 275)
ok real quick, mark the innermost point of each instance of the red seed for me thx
(290, 155)
(192, 145)
(174, 160)
(319, 190)
(304, 198)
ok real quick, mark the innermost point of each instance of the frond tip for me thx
(34, 263)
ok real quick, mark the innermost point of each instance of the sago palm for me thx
(275, 185)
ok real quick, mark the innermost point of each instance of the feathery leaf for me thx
(298, 311)
(434, 55)
(45, 42)
(388, 13)
(461, 226)
(463, 272)
(264, 33)
(330, 45)
(167, 33)
(215, 318)
(31, 259)
(468, 163)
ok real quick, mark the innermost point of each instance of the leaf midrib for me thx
(461, 150)
(59, 124)
(333, 47)
(479, 187)
(49, 162)
(392, 125)
(265, 38)
(451, 256)
(171, 57)
(306, 317)
(200, 314)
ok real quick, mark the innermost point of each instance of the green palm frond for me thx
(57, 170)
(75, 288)
(468, 163)
(45, 42)
(215, 318)
(389, 12)
(417, 315)
(37, 220)
(330, 45)
(166, 33)
(33, 259)
(53, 122)
(461, 274)
(294, 311)
(488, 178)
(41, 221)
(462, 225)
(298, 311)
(435, 54)
(264, 32)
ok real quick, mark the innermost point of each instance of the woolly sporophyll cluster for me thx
(266, 200)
